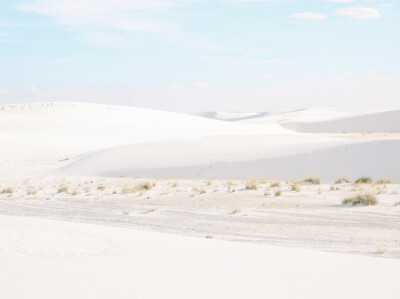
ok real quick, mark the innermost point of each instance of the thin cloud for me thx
(359, 13)
(309, 16)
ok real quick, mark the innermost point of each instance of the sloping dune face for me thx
(100, 140)
(383, 122)
(73, 128)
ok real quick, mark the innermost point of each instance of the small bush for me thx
(251, 184)
(361, 199)
(275, 184)
(101, 188)
(397, 204)
(295, 187)
(31, 191)
(8, 190)
(63, 189)
(363, 180)
(383, 181)
(267, 193)
(74, 193)
(174, 184)
(313, 181)
(236, 211)
(342, 181)
(278, 193)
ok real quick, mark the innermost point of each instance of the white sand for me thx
(51, 259)
(77, 162)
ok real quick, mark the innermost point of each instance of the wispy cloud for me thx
(359, 13)
(309, 16)
(114, 14)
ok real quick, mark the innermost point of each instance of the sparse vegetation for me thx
(361, 199)
(295, 187)
(140, 187)
(275, 184)
(174, 184)
(209, 237)
(62, 189)
(383, 181)
(31, 191)
(75, 192)
(263, 181)
(342, 181)
(312, 181)
(363, 180)
(101, 187)
(251, 184)
(397, 204)
(267, 193)
(278, 193)
(380, 251)
(236, 211)
(7, 190)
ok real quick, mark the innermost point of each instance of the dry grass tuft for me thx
(7, 190)
(31, 191)
(101, 187)
(275, 184)
(62, 189)
(342, 181)
(312, 181)
(363, 180)
(267, 193)
(251, 184)
(236, 211)
(361, 199)
(295, 187)
(383, 182)
(278, 193)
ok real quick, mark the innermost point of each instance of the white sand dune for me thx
(300, 115)
(100, 140)
(52, 259)
(382, 122)
(34, 137)
(241, 158)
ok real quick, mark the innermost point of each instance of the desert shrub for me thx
(313, 181)
(363, 180)
(74, 193)
(62, 189)
(31, 191)
(263, 181)
(101, 187)
(267, 193)
(295, 187)
(251, 184)
(143, 186)
(332, 188)
(174, 184)
(8, 190)
(199, 190)
(383, 181)
(342, 181)
(275, 184)
(397, 204)
(278, 193)
(361, 199)
(236, 211)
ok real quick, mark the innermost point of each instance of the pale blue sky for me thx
(193, 55)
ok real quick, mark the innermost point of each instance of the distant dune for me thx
(91, 139)
(382, 122)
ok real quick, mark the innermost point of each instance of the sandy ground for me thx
(314, 217)
(51, 259)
